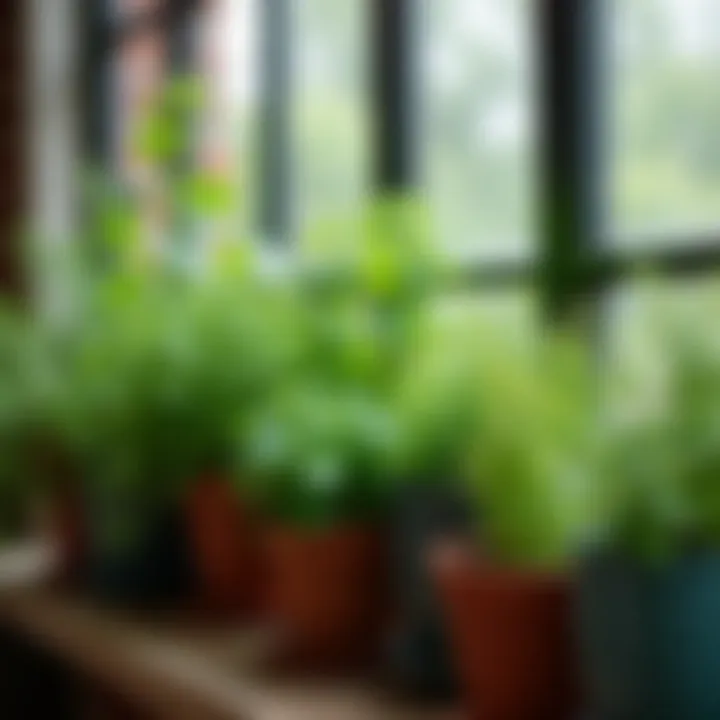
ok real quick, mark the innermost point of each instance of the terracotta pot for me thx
(225, 547)
(328, 596)
(511, 632)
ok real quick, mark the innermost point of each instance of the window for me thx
(137, 70)
(331, 110)
(477, 128)
(666, 111)
(138, 73)
(639, 309)
(228, 64)
(440, 96)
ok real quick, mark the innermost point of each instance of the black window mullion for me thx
(103, 32)
(96, 82)
(682, 259)
(179, 20)
(394, 35)
(571, 152)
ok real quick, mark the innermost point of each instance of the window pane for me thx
(666, 111)
(639, 310)
(229, 66)
(330, 111)
(139, 73)
(478, 122)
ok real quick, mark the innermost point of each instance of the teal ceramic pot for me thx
(651, 638)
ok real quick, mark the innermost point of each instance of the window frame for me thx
(576, 265)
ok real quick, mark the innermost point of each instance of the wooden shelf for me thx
(172, 667)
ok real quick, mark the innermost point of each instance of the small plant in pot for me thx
(323, 454)
(242, 340)
(368, 329)
(650, 592)
(508, 594)
(126, 376)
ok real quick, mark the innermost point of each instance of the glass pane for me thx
(229, 66)
(478, 123)
(330, 111)
(638, 311)
(665, 102)
(139, 73)
(138, 77)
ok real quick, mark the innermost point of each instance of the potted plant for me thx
(123, 375)
(508, 596)
(323, 454)
(243, 344)
(167, 344)
(649, 593)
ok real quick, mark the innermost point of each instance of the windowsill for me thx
(171, 666)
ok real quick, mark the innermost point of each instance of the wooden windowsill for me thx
(171, 667)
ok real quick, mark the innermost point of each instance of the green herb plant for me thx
(324, 456)
(165, 351)
(535, 457)
(327, 448)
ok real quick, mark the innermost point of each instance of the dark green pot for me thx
(138, 555)
(419, 660)
(651, 638)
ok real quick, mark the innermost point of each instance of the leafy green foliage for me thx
(324, 455)
(163, 371)
(164, 136)
(368, 291)
(156, 361)
(435, 399)
(535, 458)
(328, 447)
